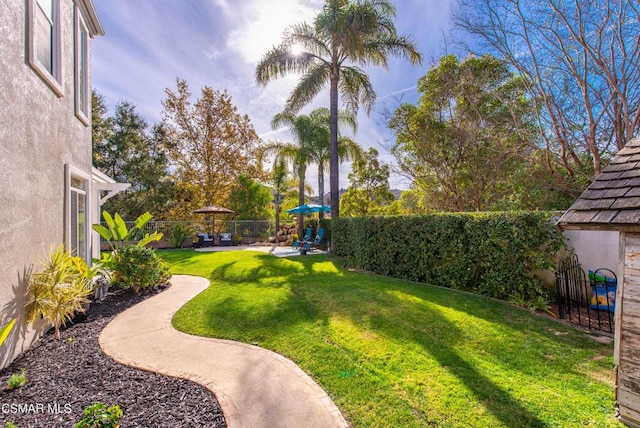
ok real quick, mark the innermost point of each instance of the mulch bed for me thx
(65, 376)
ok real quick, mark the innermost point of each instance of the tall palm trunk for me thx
(321, 187)
(276, 202)
(302, 170)
(334, 164)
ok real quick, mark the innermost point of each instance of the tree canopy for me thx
(210, 145)
(466, 144)
(579, 62)
(368, 193)
(129, 152)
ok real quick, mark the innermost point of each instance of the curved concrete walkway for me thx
(255, 387)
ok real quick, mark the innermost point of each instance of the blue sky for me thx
(148, 43)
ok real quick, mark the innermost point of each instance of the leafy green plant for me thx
(98, 415)
(11, 425)
(179, 232)
(5, 330)
(17, 380)
(116, 232)
(138, 268)
(494, 254)
(60, 290)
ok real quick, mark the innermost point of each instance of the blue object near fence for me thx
(603, 291)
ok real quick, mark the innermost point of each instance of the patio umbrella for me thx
(309, 209)
(213, 210)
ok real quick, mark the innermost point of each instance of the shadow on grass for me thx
(289, 292)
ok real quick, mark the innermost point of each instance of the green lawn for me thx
(393, 353)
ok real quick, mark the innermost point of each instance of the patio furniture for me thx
(203, 240)
(318, 239)
(306, 238)
(226, 239)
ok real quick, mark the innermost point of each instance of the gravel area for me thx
(65, 376)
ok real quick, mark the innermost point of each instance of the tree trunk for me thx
(334, 164)
(321, 187)
(301, 175)
(276, 202)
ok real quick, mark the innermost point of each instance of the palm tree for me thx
(279, 180)
(315, 127)
(361, 32)
(298, 156)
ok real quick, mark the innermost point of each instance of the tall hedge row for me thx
(494, 254)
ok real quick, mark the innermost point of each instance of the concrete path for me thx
(255, 387)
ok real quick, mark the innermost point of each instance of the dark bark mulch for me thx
(65, 376)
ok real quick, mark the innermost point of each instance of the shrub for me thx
(17, 380)
(494, 254)
(179, 232)
(60, 290)
(138, 268)
(99, 416)
(116, 232)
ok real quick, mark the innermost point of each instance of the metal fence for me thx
(578, 297)
(256, 230)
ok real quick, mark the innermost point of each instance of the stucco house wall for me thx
(40, 135)
(595, 248)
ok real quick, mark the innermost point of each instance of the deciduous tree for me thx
(369, 191)
(579, 60)
(468, 136)
(211, 145)
(249, 199)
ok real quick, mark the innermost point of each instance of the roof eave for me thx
(91, 17)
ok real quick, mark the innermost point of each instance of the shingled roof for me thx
(612, 201)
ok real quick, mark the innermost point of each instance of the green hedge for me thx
(493, 254)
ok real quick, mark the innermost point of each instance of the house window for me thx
(77, 219)
(78, 214)
(44, 41)
(81, 68)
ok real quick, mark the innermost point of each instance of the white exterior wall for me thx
(39, 135)
(595, 249)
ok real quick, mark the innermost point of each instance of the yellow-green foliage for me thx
(58, 291)
(494, 254)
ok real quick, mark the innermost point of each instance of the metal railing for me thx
(578, 297)
(257, 230)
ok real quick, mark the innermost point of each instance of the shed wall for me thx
(627, 341)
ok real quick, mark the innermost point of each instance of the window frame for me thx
(81, 40)
(72, 172)
(54, 78)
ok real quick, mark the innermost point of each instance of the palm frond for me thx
(378, 49)
(356, 88)
(311, 83)
(279, 61)
(305, 35)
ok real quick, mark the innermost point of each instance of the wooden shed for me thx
(612, 203)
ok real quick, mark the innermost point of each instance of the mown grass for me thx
(393, 353)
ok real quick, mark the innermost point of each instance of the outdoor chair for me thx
(226, 239)
(318, 239)
(203, 240)
(307, 238)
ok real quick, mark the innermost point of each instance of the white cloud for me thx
(148, 43)
(263, 24)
